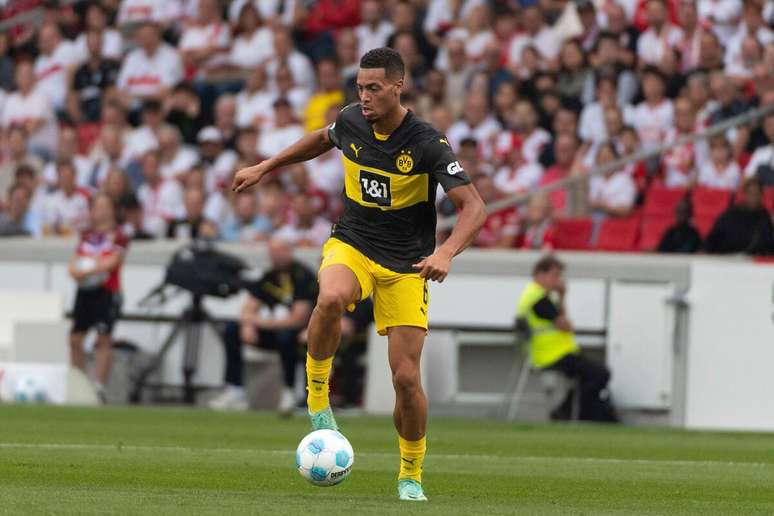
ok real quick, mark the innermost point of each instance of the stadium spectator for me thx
(301, 68)
(29, 108)
(306, 228)
(14, 155)
(253, 103)
(328, 94)
(404, 19)
(115, 186)
(276, 310)
(161, 199)
(660, 36)
(54, 65)
(204, 43)
(144, 138)
(536, 33)
(217, 161)
(106, 156)
(245, 224)
(93, 80)
(682, 236)
(65, 210)
(501, 227)
(565, 149)
(193, 224)
(655, 114)
(96, 267)
(283, 132)
(517, 175)
(538, 232)
(476, 123)
(680, 162)
(761, 164)
(458, 73)
(151, 70)
(176, 159)
(743, 228)
(564, 122)
(225, 120)
(592, 125)
(184, 110)
(552, 343)
(721, 171)
(7, 65)
(253, 42)
(110, 43)
(17, 219)
(613, 193)
(68, 153)
(373, 30)
(574, 74)
(610, 59)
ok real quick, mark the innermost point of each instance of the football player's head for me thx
(380, 82)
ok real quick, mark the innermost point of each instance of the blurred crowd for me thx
(157, 103)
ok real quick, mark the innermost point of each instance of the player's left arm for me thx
(471, 213)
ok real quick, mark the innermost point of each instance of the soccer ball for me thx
(324, 458)
(28, 390)
(92, 281)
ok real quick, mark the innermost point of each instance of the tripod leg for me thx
(139, 382)
(190, 361)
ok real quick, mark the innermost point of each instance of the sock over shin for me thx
(317, 372)
(412, 455)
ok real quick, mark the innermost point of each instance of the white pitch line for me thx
(442, 456)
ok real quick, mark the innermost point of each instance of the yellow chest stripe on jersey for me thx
(375, 188)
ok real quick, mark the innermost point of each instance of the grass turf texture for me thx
(177, 461)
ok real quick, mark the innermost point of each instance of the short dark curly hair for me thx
(386, 58)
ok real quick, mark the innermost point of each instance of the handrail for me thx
(33, 15)
(521, 198)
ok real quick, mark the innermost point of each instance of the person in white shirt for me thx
(476, 123)
(680, 162)
(374, 30)
(591, 126)
(518, 175)
(654, 115)
(55, 64)
(475, 31)
(105, 156)
(204, 43)
(305, 229)
(721, 171)
(722, 15)
(152, 69)
(112, 41)
(254, 102)
(752, 25)
(176, 159)
(145, 137)
(524, 123)
(761, 163)
(285, 53)
(32, 110)
(68, 152)
(284, 131)
(219, 164)
(254, 41)
(536, 34)
(65, 209)
(741, 69)
(159, 12)
(161, 200)
(661, 34)
(611, 194)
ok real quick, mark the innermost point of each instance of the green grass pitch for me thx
(178, 461)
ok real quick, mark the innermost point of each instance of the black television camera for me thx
(204, 271)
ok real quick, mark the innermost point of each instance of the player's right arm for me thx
(309, 147)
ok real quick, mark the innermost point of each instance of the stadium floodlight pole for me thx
(521, 198)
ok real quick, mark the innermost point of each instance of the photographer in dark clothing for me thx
(745, 227)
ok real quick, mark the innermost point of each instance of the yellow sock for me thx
(412, 455)
(317, 372)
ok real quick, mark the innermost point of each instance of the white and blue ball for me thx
(325, 457)
(28, 390)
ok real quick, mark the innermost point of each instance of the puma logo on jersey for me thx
(355, 149)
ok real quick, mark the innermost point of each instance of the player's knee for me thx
(405, 379)
(331, 303)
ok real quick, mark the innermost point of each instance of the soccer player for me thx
(384, 243)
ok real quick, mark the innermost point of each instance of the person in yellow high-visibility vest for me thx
(552, 342)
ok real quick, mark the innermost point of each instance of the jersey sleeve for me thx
(336, 129)
(443, 164)
(546, 309)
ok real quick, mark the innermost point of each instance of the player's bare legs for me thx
(77, 356)
(410, 415)
(103, 357)
(338, 289)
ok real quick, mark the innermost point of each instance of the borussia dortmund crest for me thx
(405, 162)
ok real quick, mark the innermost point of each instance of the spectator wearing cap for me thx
(655, 114)
(305, 228)
(253, 42)
(373, 30)
(111, 43)
(54, 65)
(284, 132)
(93, 80)
(682, 236)
(33, 111)
(329, 93)
(161, 199)
(218, 163)
(245, 224)
(660, 35)
(176, 159)
(743, 228)
(151, 70)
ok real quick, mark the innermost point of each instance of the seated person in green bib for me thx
(552, 342)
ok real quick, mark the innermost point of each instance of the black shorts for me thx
(97, 308)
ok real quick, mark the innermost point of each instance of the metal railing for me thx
(573, 181)
(34, 16)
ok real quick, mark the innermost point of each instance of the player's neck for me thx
(391, 121)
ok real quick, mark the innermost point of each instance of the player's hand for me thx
(248, 176)
(435, 267)
(561, 288)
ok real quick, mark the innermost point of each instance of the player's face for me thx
(378, 93)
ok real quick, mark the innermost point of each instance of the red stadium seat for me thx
(768, 197)
(708, 202)
(652, 231)
(573, 234)
(618, 234)
(661, 202)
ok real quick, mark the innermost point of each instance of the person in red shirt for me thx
(96, 267)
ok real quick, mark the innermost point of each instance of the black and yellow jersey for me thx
(389, 187)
